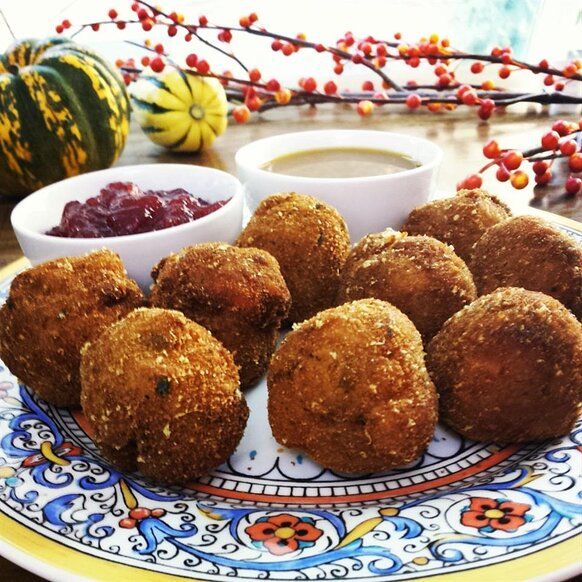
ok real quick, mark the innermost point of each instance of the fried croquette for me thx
(350, 387)
(52, 310)
(238, 294)
(508, 368)
(528, 252)
(459, 221)
(162, 396)
(310, 241)
(420, 275)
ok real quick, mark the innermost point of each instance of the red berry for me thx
(575, 162)
(504, 72)
(276, 45)
(287, 49)
(191, 60)
(381, 50)
(471, 182)
(477, 67)
(112, 14)
(330, 88)
(568, 147)
(445, 80)
(543, 64)
(506, 59)
(273, 85)
(120, 25)
(59, 29)
(397, 36)
(367, 86)
(519, 180)
(469, 97)
(95, 27)
(496, 51)
(366, 48)
(491, 150)
(544, 178)
(147, 25)
(253, 17)
(309, 84)
(365, 108)
(540, 167)
(414, 62)
(159, 48)
(172, 30)
(202, 20)
(559, 86)
(319, 48)
(548, 80)
(139, 513)
(142, 14)
(254, 103)
(357, 59)
(562, 127)
(488, 105)
(463, 89)
(573, 185)
(255, 75)
(502, 173)
(203, 67)
(244, 21)
(440, 70)
(338, 69)
(241, 114)
(550, 140)
(127, 523)
(413, 101)
(512, 160)
(66, 24)
(157, 65)
(145, 61)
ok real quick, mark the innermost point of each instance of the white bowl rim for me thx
(438, 155)
(142, 236)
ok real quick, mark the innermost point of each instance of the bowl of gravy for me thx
(373, 178)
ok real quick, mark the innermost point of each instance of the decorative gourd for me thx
(63, 111)
(182, 112)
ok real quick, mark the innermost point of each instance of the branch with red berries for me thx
(248, 91)
(563, 141)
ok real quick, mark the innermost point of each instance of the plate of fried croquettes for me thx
(294, 407)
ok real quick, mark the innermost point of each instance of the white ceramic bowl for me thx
(368, 204)
(42, 210)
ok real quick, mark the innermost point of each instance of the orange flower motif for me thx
(495, 514)
(283, 533)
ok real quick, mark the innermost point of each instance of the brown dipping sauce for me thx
(340, 162)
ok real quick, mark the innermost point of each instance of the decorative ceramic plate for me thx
(465, 510)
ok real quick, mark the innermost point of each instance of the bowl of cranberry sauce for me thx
(143, 213)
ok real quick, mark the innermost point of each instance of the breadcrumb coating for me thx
(162, 396)
(238, 294)
(508, 368)
(310, 241)
(349, 386)
(528, 252)
(459, 221)
(420, 275)
(52, 310)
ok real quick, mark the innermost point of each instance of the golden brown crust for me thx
(238, 294)
(528, 252)
(349, 386)
(460, 220)
(508, 368)
(52, 310)
(420, 275)
(310, 241)
(162, 396)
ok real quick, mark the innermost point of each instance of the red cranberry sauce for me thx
(123, 208)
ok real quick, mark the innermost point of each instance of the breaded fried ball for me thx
(162, 396)
(349, 386)
(311, 242)
(528, 252)
(459, 221)
(52, 310)
(238, 294)
(508, 368)
(418, 274)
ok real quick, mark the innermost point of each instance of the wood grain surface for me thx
(459, 134)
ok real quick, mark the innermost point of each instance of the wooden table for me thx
(458, 133)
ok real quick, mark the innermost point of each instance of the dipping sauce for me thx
(123, 208)
(340, 163)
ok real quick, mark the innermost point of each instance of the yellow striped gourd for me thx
(181, 112)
